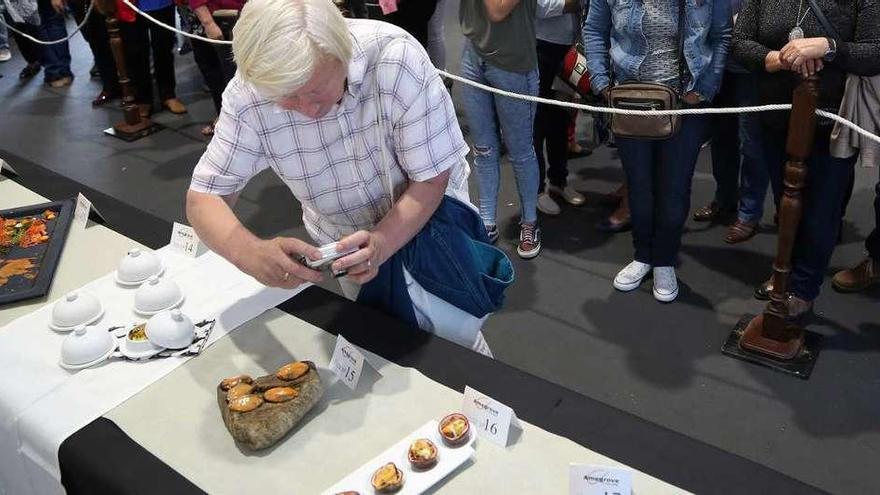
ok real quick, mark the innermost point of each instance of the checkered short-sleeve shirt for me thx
(333, 165)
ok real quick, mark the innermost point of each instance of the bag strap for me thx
(682, 18)
(829, 29)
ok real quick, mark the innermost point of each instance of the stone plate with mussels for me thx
(259, 412)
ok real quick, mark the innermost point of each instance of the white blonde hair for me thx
(277, 43)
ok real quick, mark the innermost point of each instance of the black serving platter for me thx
(46, 255)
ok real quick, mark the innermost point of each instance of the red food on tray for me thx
(35, 234)
(31, 240)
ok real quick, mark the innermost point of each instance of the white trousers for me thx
(437, 316)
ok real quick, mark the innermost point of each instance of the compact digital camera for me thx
(328, 256)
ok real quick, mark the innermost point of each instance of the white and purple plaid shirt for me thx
(333, 165)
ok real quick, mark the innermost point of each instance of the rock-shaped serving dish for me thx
(259, 412)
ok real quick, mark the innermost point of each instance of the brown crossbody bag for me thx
(649, 96)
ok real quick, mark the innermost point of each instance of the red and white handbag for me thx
(574, 71)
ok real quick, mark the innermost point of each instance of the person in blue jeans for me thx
(55, 57)
(737, 159)
(741, 176)
(763, 42)
(500, 52)
(626, 40)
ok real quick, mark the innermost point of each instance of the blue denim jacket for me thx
(452, 259)
(615, 27)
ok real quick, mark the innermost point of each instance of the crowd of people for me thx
(707, 52)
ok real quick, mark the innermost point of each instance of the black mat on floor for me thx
(563, 321)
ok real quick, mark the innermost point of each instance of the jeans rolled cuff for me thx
(748, 218)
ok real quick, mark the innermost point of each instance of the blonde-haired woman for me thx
(352, 116)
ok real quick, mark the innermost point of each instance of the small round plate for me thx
(70, 329)
(75, 367)
(151, 313)
(139, 282)
(123, 348)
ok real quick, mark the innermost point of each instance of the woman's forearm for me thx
(217, 226)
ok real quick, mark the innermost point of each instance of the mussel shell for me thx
(422, 462)
(246, 403)
(391, 487)
(239, 390)
(232, 381)
(292, 371)
(280, 394)
(455, 441)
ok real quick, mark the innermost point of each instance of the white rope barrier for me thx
(547, 101)
(577, 106)
(53, 42)
(619, 111)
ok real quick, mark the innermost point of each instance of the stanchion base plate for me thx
(801, 366)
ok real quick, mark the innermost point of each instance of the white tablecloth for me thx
(42, 404)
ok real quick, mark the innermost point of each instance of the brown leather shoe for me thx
(174, 105)
(620, 219)
(860, 277)
(740, 232)
(711, 212)
(145, 109)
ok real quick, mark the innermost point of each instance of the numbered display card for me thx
(591, 479)
(490, 418)
(347, 362)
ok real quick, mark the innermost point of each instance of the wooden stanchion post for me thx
(771, 338)
(133, 126)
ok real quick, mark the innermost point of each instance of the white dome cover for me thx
(170, 329)
(137, 266)
(85, 345)
(157, 295)
(76, 308)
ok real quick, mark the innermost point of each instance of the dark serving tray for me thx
(46, 255)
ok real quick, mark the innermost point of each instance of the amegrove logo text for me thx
(600, 478)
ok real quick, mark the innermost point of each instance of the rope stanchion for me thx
(565, 104)
(52, 42)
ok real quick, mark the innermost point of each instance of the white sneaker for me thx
(665, 284)
(5, 55)
(548, 205)
(631, 276)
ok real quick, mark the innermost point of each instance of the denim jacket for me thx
(452, 259)
(615, 27)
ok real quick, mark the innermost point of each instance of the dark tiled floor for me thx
(563, 321)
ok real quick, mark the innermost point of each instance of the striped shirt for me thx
(333, 164)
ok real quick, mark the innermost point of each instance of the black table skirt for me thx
(101, 458)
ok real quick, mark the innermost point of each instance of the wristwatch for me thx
(832, 50)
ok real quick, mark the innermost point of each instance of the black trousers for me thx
(551, 122)
(411, 15)
(95, 33)
(209, 65)
(29, 50)
(141, 38)
(872, 243)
